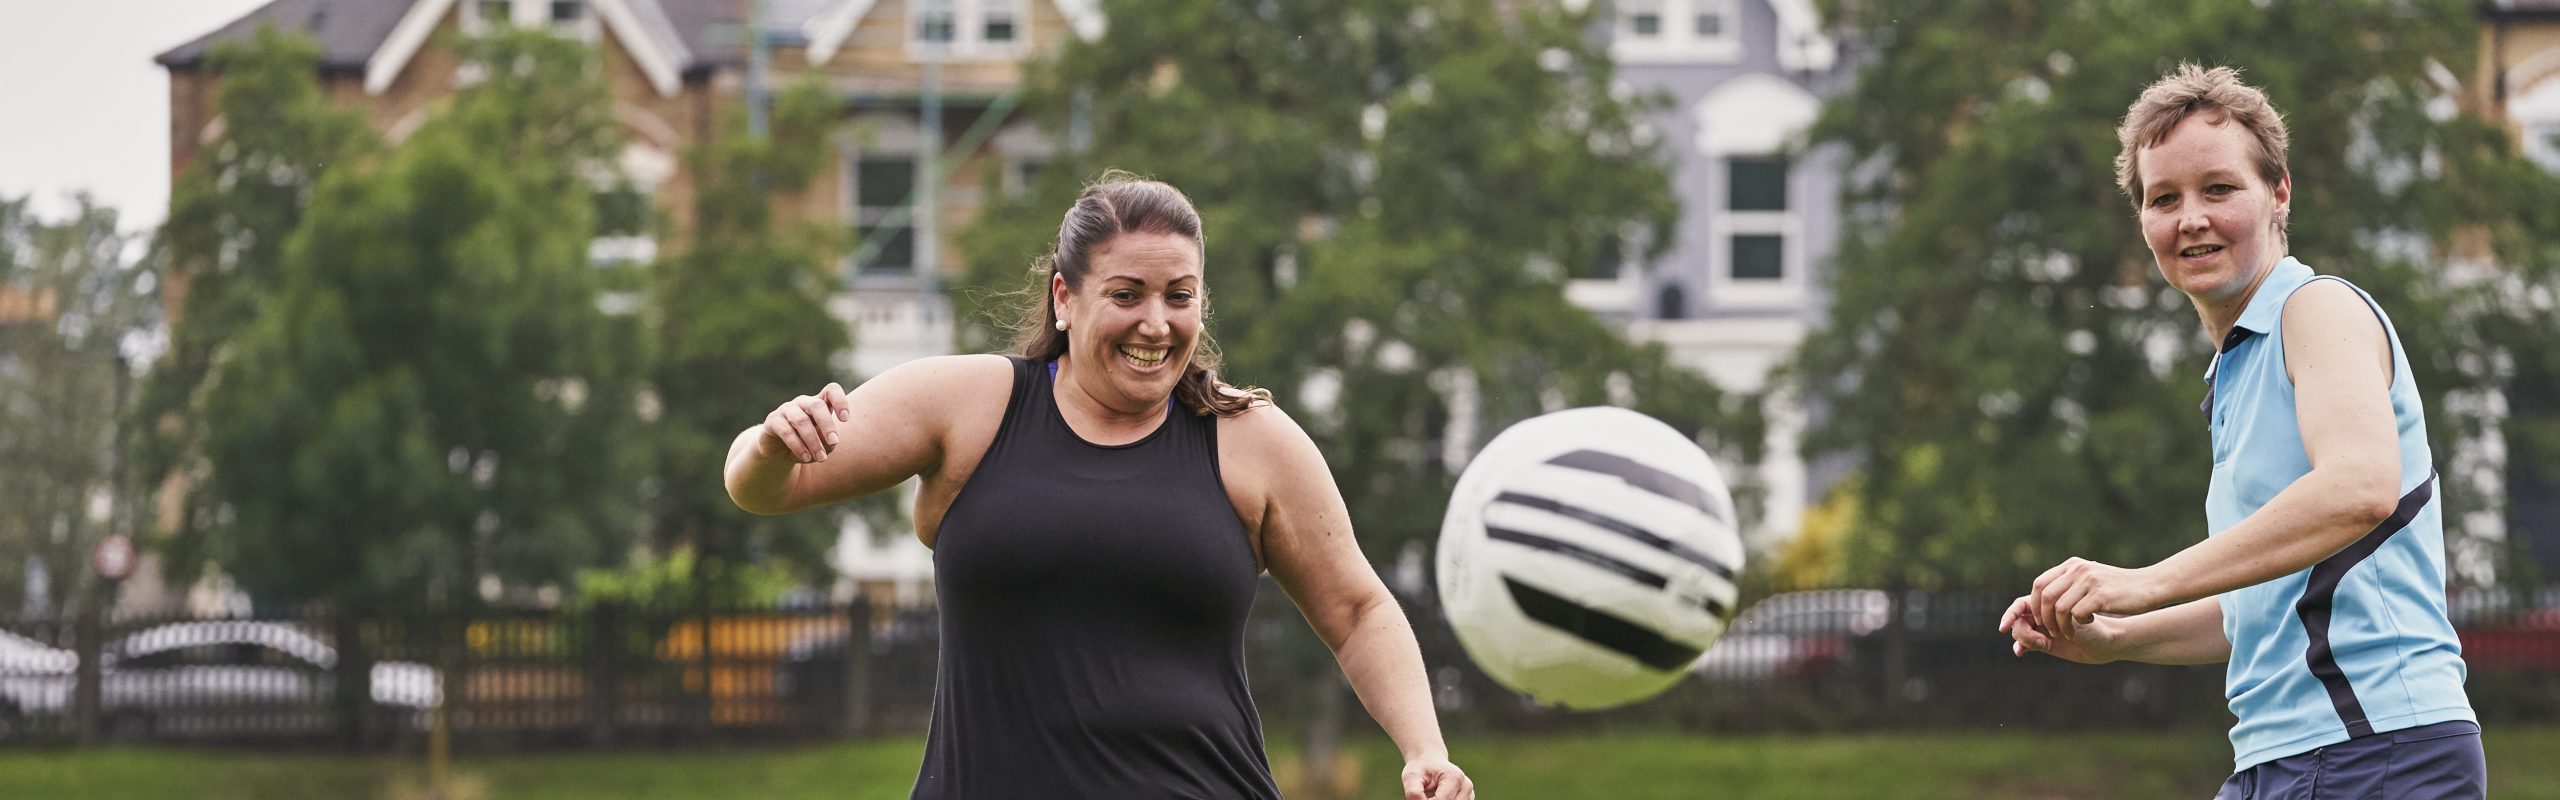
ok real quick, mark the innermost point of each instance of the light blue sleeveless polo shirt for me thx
(2359, 643)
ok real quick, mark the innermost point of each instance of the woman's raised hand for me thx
(804, 428)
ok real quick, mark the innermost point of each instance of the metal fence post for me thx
(604, 638)
(351, 698)
(87, 637)
(857, 667)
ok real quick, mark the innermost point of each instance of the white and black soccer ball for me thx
(1588, 557)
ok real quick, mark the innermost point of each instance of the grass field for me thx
(1629, 767)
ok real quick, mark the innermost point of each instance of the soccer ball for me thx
(1588, 557)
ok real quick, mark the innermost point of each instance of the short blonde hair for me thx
(2188, 91)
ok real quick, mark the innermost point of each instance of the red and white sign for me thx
(114, 556)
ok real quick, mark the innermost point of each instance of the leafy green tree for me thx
(221, 252)
(673, 582)
(2016, 383)
(741, 325)
(2504, 215)
(1394, 192)
(71, 299)
(434, 398)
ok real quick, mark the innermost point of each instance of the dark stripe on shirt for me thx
(2321, 594)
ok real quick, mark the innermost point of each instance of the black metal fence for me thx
(619, 675)
(602, 676)
(1861, 660)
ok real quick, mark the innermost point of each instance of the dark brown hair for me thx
(1117, 203)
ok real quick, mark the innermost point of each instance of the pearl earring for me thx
(1062, 324)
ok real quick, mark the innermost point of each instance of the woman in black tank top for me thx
(1100, 505)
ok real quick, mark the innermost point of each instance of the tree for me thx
(2001, 360)
(2503, 212)
(221, 252)
(71, 302)
(741, 325)
(433, 398)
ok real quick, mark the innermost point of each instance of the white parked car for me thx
(1794, 635)
(243, 678)
(35, 682)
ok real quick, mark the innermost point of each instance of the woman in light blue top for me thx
(2322, 580)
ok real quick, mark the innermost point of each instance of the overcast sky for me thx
(83, 108)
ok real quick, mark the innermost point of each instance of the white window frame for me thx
(969, 30)
(2539, 146)
(887, 137)
(860, 216)
(2536, 115)
(916, 14)
(1018, 175)
(1754, 116)
(1018, 10)
(475, 22)
(1724, 224)
(1018, 145)
(1678, 41)
(648, 167)
(1623, 293)
(536, 15)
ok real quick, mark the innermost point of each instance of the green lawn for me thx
(1627, 767)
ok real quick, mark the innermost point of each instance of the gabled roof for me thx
(708, 29)
(828, 29)
(640, 25)
(666, 37)
(348, 30)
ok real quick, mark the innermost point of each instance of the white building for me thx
(1740, 284)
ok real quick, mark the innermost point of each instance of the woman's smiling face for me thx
(1136, 318)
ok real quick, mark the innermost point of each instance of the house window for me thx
(1676, 31)
(1756, 219)
(564, 17)
(622, 211)
(1670, 303)
(897, 252)
(1757, 257)
(999, 27)
(621, 236)
(1026, 171)
(2535, 111)
(2542, 144)
(1756, 184)
(1643, 17)
(884, 181)
(970, 29)
(882, 186)
(1607, 261)
(936, 22)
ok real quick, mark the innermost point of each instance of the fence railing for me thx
(598, 676)
(619, 675)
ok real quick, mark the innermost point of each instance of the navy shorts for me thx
(2442, 761)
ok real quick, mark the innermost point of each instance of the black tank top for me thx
(1093, 614)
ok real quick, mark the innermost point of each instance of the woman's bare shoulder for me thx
(939, 374)
(1264, 432)
(944, 387)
